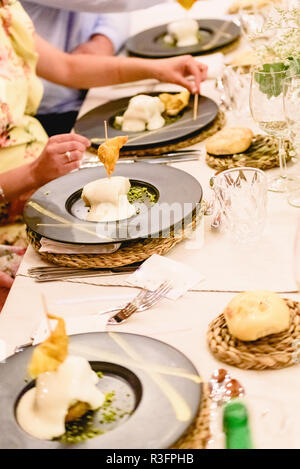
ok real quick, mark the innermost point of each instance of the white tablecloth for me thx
(226, 267)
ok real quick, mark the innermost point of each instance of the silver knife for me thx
(168, 159)
(149, 159)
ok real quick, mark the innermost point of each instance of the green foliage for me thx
(271, 83)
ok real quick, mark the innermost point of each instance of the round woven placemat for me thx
(269, 353)
(129, 252)
(197, 435)
(207, 131)
(262, 154)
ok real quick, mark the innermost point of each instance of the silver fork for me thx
(143, 301)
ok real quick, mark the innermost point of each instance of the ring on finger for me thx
(68, 155)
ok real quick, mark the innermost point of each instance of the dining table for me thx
(226, 268)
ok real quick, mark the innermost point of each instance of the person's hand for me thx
(6, 280)
(61, 155)
(183, 70)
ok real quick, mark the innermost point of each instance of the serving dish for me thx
(150, 43)
(155, 385)
(91, 125)
(57, 212)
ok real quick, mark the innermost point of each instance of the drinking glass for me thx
(266, 105)
(291, 104)
(236, 85)
(242, 197)
(257, 22)
(252, 21)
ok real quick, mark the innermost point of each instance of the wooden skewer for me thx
(105, 130)
(106, 139)
(46, 311)
(196, 99)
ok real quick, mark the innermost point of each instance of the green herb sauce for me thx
(141, 194)
(80, 430)
(85, 427)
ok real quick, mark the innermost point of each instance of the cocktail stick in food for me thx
(109, 152)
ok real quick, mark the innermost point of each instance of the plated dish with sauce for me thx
(148, 120)
(185, 36)
(133, 382)
(59, 210)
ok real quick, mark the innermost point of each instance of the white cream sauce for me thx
(184, 32)
(143, 112)
(107, 199)
(42, 410)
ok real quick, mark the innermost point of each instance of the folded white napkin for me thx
(215, 64)
(47, 245)
(158, 269)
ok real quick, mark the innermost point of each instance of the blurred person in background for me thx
(28, 159)
(101, 6)
(74, 32)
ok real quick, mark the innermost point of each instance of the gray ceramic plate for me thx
(61, 199)
(91, 125)
(153, 422)
(150, 43)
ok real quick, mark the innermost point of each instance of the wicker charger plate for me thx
(269, 353)
(262, 154)
(217, 124)
(197, 435)
(130, 252)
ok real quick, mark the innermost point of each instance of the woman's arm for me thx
(98, 44)
(88, 71)
(61, 155)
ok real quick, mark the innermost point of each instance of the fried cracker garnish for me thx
(174, 103)
(109, 152)
(187, 4)
(76, 411)
(51, 353)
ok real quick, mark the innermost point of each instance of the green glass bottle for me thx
(236, 425)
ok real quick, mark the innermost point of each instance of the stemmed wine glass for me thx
(255, 21)
(252, 20)
(291, 104)
(266, 105)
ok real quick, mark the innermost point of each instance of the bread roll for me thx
(229, 141)
(254, 314)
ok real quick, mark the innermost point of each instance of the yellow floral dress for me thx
(22, 138)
